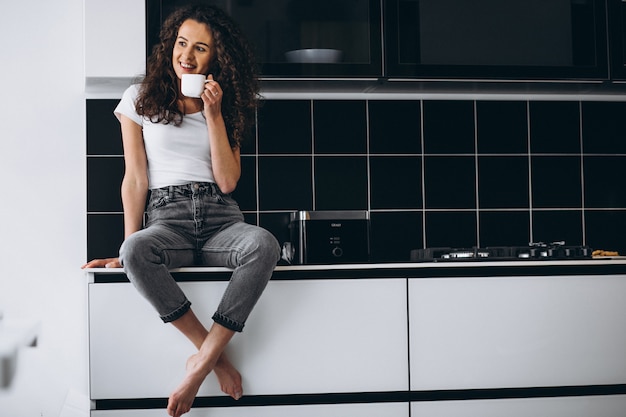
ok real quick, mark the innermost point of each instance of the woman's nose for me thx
(188, 53)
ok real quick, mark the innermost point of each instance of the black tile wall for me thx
(388, 190)
(503, 182)
(432, 173)
(567, 224)
(449, 127)
(456, 229)
(105, 232)
(502, 127)
(555, 127)
(504, 228)
(605, 228)
(449, 182)
(604, 127)
(340, 127)
(103, 131)
(284, 127)
(607, 169)
(556, 181)
(285, 183)
(394, 127)
(105, 169)
(104, 178)
(394, 234)
(341, 183)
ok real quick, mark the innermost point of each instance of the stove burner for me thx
(534, 251)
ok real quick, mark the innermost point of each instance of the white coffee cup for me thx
(192, 85)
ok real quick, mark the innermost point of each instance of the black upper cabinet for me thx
(496, 39)
(427, 39)
(617, 25)
(299, 38)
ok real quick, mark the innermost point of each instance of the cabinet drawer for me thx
(305, 336)
(596, 406)
(501, 332)
(329, 410)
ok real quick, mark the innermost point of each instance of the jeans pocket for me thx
(226, 199)
(158, 202)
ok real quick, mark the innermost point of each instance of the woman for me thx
(186, 151)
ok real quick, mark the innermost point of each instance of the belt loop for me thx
(171, 192)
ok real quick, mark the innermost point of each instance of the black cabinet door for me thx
(299, 38)
(496, 39)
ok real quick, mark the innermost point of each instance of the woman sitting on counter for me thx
(186, 152)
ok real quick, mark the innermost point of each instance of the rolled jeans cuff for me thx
(178, 313)
(228, 323)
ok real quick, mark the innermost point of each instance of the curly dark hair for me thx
(233, 67)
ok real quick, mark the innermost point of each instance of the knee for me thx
(266, 246)
(133, 249)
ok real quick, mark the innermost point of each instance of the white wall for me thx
(42, 202)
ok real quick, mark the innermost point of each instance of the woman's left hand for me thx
(103, 263)
(212, 97)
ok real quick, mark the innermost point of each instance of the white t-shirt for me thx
(176, 154)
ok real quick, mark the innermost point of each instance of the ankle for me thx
(200, 365)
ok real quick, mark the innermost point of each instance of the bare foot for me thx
(202, 363)
(181, 399)
(228, 377)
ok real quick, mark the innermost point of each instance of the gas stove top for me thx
(534, 251)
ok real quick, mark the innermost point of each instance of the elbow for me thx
(135, 183)
(227, 187)
(227, 183)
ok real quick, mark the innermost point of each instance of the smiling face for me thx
(193, 49)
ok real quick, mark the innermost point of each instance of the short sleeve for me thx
(126, 106)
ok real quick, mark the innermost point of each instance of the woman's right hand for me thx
(103, 263)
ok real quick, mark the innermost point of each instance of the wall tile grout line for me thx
(423, 180)
(530, 173)
(581, 139)
(476, 173)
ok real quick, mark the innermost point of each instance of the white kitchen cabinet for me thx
(325, 410)
(596, 406)
(499, 332)
(115, 38)
(471, 346)
(304, 336)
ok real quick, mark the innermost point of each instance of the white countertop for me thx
(613, 260)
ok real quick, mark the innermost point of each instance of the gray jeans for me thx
(195, 224)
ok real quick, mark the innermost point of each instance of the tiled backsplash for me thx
(458, 173)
